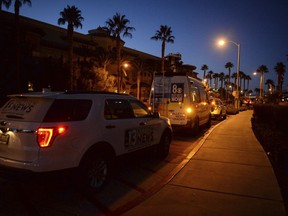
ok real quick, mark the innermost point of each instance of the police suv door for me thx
(129, 126)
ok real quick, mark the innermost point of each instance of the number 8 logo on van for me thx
(177, 88)
(177, 92)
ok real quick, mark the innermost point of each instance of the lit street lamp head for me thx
(221, 42)
(125, 65)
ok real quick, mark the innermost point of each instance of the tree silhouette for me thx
(116, 27)
(229, 65)
(71, 15)
(164, 35)
(262, 69)
(6, 3)
(17, 5)
(204, 68)
(280, 69)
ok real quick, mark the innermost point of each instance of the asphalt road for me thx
(135, 179)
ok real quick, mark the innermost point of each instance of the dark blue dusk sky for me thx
(259, 26)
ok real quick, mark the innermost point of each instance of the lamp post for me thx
(123, 66)
(261, 82)
(221, 43)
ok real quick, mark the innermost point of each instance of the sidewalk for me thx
(230, 174)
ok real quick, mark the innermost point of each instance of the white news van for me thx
(182, 99)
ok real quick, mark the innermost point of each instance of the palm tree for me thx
(262, 69)
(71, 15)
(17, 5)
(248, 78)
(270, 85)
(280, 70)
(6, 3)
(241, 77)
(244, 82)
(210, 77)
(257, 90)
(204, 68)
(215, 77)
(229, 65)
(116, 27)
(221, 78)
(140, 65)
(164, 35)
(234, 75)
(104, 57)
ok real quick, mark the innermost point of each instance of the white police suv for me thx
(43, 132)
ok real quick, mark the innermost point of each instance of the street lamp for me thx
(122, 71)
(222, 43)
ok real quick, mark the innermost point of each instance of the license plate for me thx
(4, 138)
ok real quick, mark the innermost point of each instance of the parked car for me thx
(218, 109)
(284, 98)
(43, 132)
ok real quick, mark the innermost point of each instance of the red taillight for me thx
(45, 136)
(61, 130)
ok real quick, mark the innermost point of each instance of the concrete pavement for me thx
(228, 173)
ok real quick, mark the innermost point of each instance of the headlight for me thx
(189, 110)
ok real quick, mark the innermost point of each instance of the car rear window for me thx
(25, 108)
(63, 110)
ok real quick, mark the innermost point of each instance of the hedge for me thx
(274, 115)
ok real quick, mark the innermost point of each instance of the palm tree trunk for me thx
(119, 74)
(70, 55)
(138, 85)
(17, 39)
(162, 57)
(261, 84)
(229, 73)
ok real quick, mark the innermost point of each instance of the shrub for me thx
(274, 115)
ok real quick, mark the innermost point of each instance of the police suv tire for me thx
(94, 171)
(208, 124)
(164, 145)
(220, 117)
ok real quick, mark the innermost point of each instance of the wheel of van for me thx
(94, 172)
(196, 128)
(208, 124)
(220, 117)
(164, 145)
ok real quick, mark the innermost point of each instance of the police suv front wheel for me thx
(164, 145)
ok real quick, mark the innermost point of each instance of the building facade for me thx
(36, 53)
